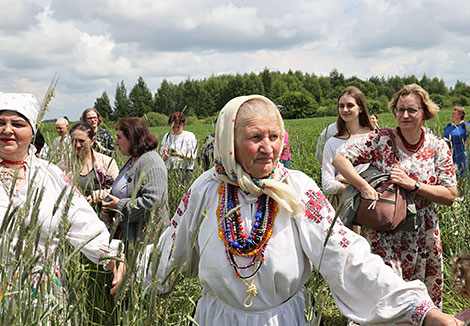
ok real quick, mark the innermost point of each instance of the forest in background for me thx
(301, 95)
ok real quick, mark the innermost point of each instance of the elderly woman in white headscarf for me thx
(24, 177)
(252, 230)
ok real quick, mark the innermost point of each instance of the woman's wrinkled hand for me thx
(399, 177)
(435, 317)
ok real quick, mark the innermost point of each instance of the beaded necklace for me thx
(5, 162)
(411, 147)
(236, 241)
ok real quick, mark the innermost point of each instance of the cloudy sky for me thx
(91, 45)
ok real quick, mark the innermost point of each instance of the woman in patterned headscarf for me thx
(251, 230)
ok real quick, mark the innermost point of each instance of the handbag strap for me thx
(394, 145)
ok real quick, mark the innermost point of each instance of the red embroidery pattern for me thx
(70, 183)
(316, 202)
(344, 242)
(185, 200)
(419, 312)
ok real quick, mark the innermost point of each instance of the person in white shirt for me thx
(353, 123)
(179, 147)
(23, 174)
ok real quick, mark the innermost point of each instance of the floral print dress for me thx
(418, 254)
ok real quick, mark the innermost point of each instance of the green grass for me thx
(88, 301)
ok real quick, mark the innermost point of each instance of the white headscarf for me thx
(228, 170)
(23, 103)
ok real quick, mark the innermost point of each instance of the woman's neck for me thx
(133, 159)
(412, 136)
(86, 161)
(16, 157)
(354, 128)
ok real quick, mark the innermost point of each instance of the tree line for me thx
(300, 95)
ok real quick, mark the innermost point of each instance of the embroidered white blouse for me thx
(365, 289)
(186, 144)
(84, 223)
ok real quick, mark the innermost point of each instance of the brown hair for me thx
(429, 107)
(360, 99)
(460, 110)
(85, 127)
(100, 120)
(136, 131)
(177, 117)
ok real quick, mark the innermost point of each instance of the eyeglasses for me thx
(411, 111)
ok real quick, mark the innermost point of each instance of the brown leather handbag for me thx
(390, 210)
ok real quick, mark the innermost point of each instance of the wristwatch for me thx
(417, 185)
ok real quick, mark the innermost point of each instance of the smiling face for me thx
(348, 108)
(257, 144)
(123, 143)
(82, 143)
(15, 136)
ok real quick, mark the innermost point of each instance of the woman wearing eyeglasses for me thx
(104, 140)
(425, 167)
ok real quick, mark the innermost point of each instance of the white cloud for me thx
(17, 15)
(94, 44)
(95, 58)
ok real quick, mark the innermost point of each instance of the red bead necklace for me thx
(5, 162)
(411, 147)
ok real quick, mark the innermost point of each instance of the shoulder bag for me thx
(390, 210)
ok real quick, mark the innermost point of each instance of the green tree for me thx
(121, 102)
(297, 105)
(253, 84)
(336, 79)
(438, 87)
(312, 85)
(140, 99)
(103, 106)
(267, 80)
(196, 99)
(278, 86)
(165, 98)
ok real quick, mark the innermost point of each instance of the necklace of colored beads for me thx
(236, 242)
(231, 231)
